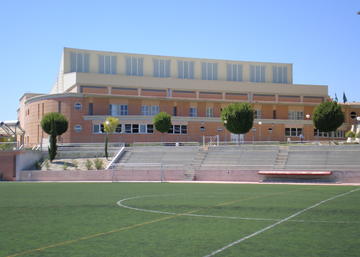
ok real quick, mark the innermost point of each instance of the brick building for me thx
(92, 85)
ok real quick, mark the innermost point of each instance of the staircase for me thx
(196, 164)
(281, 157)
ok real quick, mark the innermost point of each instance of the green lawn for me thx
(84, 219)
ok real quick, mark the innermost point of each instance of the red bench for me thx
(304, 174)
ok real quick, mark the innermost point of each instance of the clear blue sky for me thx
(321, 38)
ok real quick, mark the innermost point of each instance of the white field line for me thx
(279, 222)
(121, 204)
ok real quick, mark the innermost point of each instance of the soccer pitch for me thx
(164, 219)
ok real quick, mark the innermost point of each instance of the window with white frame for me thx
(98, 128)
(107, 64)
(185, 69)
(118, 129)
(234, 72)
(293, 132)
(209, 112)
(161, 68)
(150, 110)
(295, 115)
(257, 73)
(178, 129)
(257, 114)
(280, 74)
(79, 62)
(134, 66)
(118, 109)
(193, 112)
(209, 71)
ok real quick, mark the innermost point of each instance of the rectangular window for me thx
(257, 73)
(209, 112)
(142, 129)
(295, 115)
(135, 128)
(91, 109)
(178, 129)
(98, 128)
(79, 62)
(279, 74)
(209, 71)
(128, 128)
(107, 64)
(150, 110)
(134, 66)
(150, 128)
(174, 111)
(193, 112)
(118, 128)
(274, 114)
(293, 132)
(145, 110)
(336, 134)
(161, 68)
(234, 72)
(257, 114)
(118, 109)
(183, 129)
(185, 69)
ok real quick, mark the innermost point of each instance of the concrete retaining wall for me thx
(12, 162)
(168, 175)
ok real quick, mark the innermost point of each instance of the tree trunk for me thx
(52, 147)
(106, 146)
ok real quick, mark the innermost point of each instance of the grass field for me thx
(153, 219)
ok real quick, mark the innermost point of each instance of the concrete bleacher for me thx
(85, 150)
(240, 157)
(324, 157)
(164, 155)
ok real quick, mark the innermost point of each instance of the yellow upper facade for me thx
(101, 68)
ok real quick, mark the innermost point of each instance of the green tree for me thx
(54, 124)
(162, 122)
(110, 125)
(238, 118)
(328, 116)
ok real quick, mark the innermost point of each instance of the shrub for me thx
(328, 116)
(238, 118)
(54, 124)
(99, 164)
(358, 135)
(162, 122)
(350, 134)
(75, 164)
(65, 166)
(88, 165)
(37, 165)
(46, 163)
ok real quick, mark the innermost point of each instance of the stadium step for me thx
(281, 157)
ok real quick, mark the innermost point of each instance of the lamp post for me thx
(307, 116)
(259, 123)
(225, 122)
